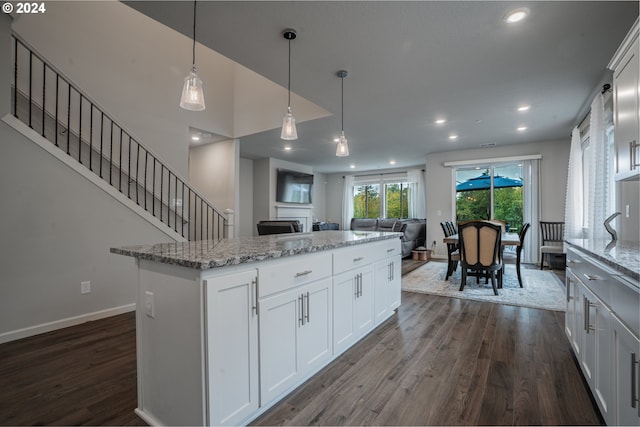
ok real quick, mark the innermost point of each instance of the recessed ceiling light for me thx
(287, 148)
(522, 128)
(523, 108)
(453, 136)
(392, 162)
(352, 166)
(195, 138)
(516, 15)
(440, 121)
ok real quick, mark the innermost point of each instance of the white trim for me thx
(631, 36)
(64, 323)
(149, 419)
(493, 160)
(46, 145)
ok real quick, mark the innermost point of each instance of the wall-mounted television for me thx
(293, 187)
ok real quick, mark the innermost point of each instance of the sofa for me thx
(414, 231)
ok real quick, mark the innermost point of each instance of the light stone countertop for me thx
(206, 254)
(621, 255)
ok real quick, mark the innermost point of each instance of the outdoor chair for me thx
(480, 252)
(552, 239)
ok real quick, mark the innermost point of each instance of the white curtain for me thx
(600, 172)
(417, 208)
(531, 209)
(573, 206)
(347, 202)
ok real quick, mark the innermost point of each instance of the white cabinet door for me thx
(295, 336)
(280, 316)
(627, 121)
(626, 374)
(597, 352)
(394, 286)
(344, 290)
(315, 346)
(387, 278)
(352, 307)
(574, 324)
(232, 347)
(363, 303)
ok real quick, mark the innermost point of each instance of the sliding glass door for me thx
(491, 192)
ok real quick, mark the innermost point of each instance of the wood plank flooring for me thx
(82, 375)
(438, 361)
(444, 361)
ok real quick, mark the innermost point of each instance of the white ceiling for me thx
(410, 63)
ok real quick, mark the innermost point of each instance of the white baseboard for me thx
(147, 418)
(64, 323)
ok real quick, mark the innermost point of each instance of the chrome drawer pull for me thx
(360, 258)
(591, 276)
(391, 250)
(303, 273)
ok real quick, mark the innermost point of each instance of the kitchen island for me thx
(603, 323)
(226, 329)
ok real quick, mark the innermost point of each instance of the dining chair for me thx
(523, 233)
(552, 239)
(453, 255)
(480, 251)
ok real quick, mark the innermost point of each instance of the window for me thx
(383, 196)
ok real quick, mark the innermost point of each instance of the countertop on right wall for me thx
(621, 255)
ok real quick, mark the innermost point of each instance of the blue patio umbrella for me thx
(483, 182)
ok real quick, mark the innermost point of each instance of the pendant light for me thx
(289, 131)
(192, 94)
(343, 147)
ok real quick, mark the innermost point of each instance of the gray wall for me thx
(244, 218)
(57, 228)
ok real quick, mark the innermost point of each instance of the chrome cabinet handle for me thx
(591, 277)
(391, 250)
(360, 258)
(303, 273)
(301, 318)
(307, 311)
(587, 315)
(393, 274)
(633, 146)
(634, 384)
(254, 296)
(568, 286)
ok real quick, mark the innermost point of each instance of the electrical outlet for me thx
(85, 287)
(149, 304)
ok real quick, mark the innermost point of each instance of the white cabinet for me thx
(574, 312)
(232, 358)
(352, 307)
(596, 351)
(295, 336)
(626, 101)
(626, 374)
(387, 275)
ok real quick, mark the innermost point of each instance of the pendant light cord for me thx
(194, 35)
(342, 104)
(289, 79)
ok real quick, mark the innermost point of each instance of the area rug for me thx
(541, 289)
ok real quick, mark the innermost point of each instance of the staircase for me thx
(47, 102)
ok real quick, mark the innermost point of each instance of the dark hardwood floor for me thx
(82, 375)
(438, 361)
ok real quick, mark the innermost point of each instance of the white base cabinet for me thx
(223, 345)
(604, 345)
(626, 374)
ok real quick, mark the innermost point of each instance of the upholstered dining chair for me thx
(522, 235)
(453, 255)
(552, 239)
(480, 251)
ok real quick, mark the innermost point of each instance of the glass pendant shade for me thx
(343, 147)
(192, 94)
(289, 131)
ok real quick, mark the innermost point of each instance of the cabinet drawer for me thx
(625, 302)
(298, 270)
(349, 258)
(595, 275)
(386, 248)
